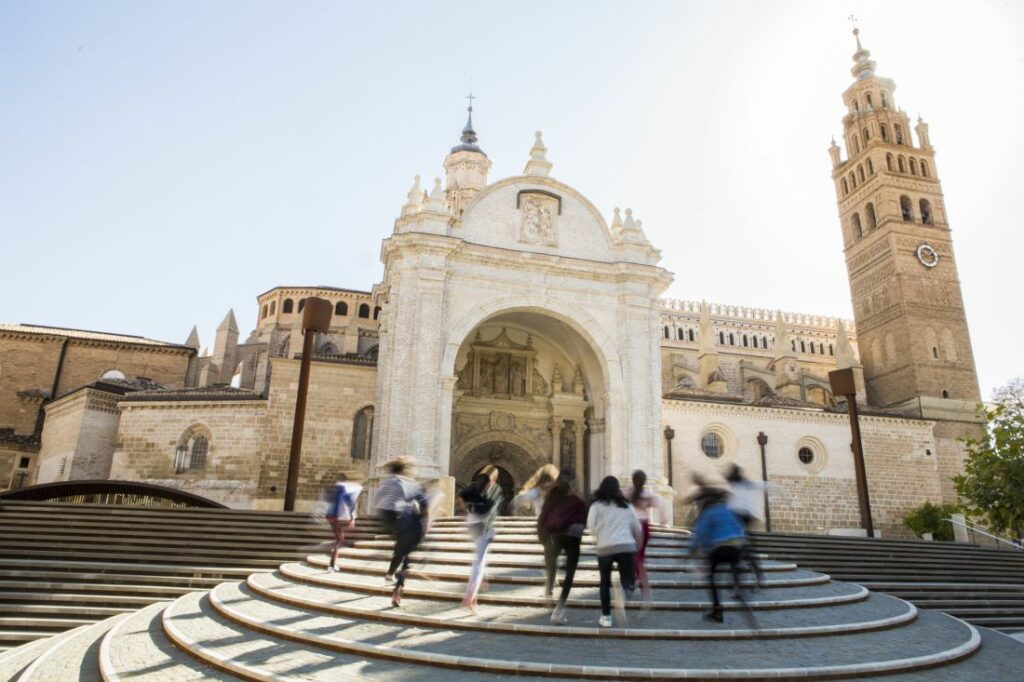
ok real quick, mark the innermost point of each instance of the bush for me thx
(931, 518)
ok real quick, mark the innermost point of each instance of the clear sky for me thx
(161, 162)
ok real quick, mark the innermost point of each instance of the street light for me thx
(670, 433)
(316, 317)
(762, 440)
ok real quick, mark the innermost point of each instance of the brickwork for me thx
(27, 363)
(11, 457)
(79, 437)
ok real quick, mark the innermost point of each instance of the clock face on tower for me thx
(928, 256)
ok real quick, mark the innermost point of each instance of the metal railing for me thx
(972, 529)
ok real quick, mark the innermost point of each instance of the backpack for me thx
(476, 500)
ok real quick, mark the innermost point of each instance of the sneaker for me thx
(714, 615)
(389, 577)
(396, 596)
(558, 616)
(332, 569)
(605, 621)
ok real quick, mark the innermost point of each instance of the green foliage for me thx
(992, 484)
(931, 518)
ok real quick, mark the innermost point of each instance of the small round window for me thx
(711, 444)
(805, 454)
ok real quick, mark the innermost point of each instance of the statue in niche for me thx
(540, 387)
(537, 223)
(568, 447)
(577, 381)
(518, 379)
(556, 379)
(486, 375)
(501, 386)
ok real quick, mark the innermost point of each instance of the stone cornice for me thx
(44, 337)
(127, 405)
(786, 414)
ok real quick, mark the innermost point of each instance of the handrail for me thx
(973, 528)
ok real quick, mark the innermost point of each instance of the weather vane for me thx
(471, 97)
(853, 20)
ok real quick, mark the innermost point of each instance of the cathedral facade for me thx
(517, 324)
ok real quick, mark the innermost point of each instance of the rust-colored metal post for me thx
(762, 440)
(316, 317)
(842, 382)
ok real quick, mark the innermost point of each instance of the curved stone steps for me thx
(466, 545)
(824, 594)
(936, 639)
(586, 576)
(497, 558)
(73, 657)
(14, 661)
(192, 625)
(136, 648)
(875, 613)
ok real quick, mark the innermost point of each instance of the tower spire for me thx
(465, 166)
(863, 67)
(468, 138)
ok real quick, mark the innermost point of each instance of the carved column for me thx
(555, 426)
(578, 436)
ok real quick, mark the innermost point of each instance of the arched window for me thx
(302, 304)
(846, 188)
(753, 340)
(263, 313)
(855, 221)
(869, 214)
(901, 164)
(112, 374)
(853, 180)
(721, 338)
(885, 101)
(680, 334)
(871, 167)
(362, 433)
(885, 132)
(888, 162)
(341, 308)
(926, 211)
(856, 143)
(732, 339)
(868, 96)
(831, 349)
(666, 332)
(764, 342)
(866, 136)
(745, 342)
(286, 307)
(793, 343)
(803, 346)
(813, 352)
(899, 133)
(860, 172)
(192, 450)
(364, 311)
(376, 312)
(945, 393)
(273, 307)
(690, 334)
(907, 209)
(924, 168)
(913, 166)
(856, 104)
(821, 348)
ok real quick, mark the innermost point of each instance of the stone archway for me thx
(515, 459)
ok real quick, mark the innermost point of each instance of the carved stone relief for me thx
(538, 226)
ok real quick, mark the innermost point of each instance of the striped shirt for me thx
(396, 493)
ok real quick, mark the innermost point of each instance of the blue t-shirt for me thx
(343, 504)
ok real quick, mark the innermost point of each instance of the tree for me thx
(931, 518)
(992, 484)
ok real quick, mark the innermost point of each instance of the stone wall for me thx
(149, 434)
(337, 392)
(12, 457)
(78, 437)
(27, 363)
(901, 457)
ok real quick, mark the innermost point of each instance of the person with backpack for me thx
(404, 508)
(341, 515)
(718, 535)
(560, 525)
(617, 534)
(482, 500)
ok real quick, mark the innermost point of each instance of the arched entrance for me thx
(528, 379)
(507, 485)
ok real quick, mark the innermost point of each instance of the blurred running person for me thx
(718, 536)
(530, 501)
(745, 499)
(646, 505)
(394, 499)
(482, 499)
(341, 515)
(560, 525)
(617, 534)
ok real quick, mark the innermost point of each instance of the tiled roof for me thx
(84, 334)
(198, 393)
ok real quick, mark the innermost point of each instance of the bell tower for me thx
(911, 326)
(466, 168)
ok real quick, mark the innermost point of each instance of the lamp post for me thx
(316, 317)
(842, 383)
(670, 433)
(762, 440)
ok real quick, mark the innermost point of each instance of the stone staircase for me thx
(300, 622)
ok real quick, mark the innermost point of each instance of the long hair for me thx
(561, 490)
(735, 474)
(542, 478)
(610, 492)
(639, 481)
